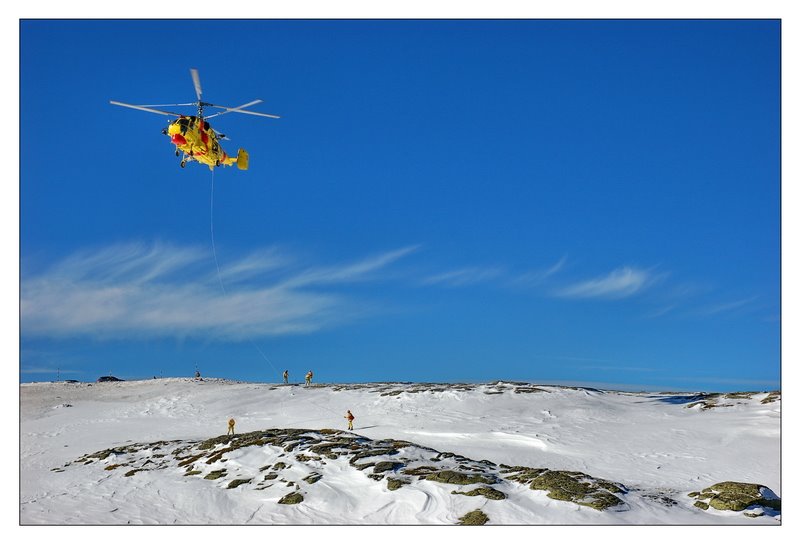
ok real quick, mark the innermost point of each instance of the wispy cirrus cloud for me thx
(131, 290)
(350, 272)
(729, 306)
(618, 284)
(537, 277)
(464, 277)
(468, 276)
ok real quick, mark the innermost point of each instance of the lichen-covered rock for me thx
(238, 482)
(383, 467)
(291, 498)
(520, 474)
(486, 491)
(455, 477)
(419, 470)
(213, 475)
(394, 484)
(735, 496)
(474, 518)
(578, 488)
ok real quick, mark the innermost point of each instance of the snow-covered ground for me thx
(658, 445)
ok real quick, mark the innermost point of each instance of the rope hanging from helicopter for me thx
(219, 273)
(213, 246)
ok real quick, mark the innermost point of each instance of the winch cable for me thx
(219, 274)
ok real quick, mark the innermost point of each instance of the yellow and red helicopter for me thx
(193, 136)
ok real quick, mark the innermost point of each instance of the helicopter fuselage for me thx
(197, 140)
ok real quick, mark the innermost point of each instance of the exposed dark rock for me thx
(394, 484)
(238, 482)
(454, 477)
(382, 467)
(291, 498)
(419, 470)
(734, 496)
(486, 491)
(474, 518)
(578, 488)
(528, 390)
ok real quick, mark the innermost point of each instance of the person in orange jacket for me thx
(231, 424)
(349, 416)
(309, 376)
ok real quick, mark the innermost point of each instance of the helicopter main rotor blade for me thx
(256, 101)
(196, 80)
(160, 105)
(254, 113)
(228, 109)
(144, 108)
(238, 109)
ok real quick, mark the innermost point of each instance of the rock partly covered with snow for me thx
(296, 459)
(755, 499)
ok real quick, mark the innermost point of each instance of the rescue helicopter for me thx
(193, 136)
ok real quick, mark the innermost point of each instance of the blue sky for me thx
(572, 201)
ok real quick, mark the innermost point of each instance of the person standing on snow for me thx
(349, 416)
(231, 424)
(309, 376)
(286, 377)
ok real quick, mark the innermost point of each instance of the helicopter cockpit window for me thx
(183, 124)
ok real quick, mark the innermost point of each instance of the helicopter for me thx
(193, 136)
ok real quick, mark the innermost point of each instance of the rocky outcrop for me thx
(297, 458)
(734, 496)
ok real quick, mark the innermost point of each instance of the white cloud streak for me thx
(162, 290)
(463, 277)
(726, 307)
(536, 277)
(618, 284)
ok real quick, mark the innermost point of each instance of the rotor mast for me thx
(198, 91)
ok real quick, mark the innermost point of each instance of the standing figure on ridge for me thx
(231, 424)
(286, 377)
(349, 416)
(309, 376)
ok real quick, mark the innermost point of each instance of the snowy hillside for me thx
(156, 452)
